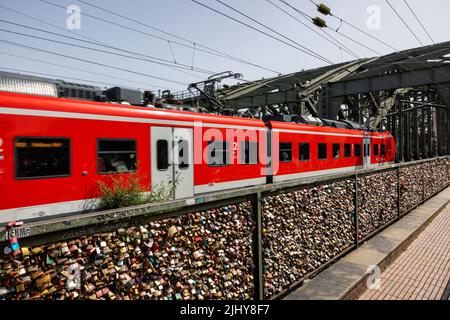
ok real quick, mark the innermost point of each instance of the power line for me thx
(92, 62)
(92, 40)
(195, 44)
(81, 70)
(404, 22)
(169, 64)
(337, 31)
(360, 30)
(334, 41)
(420, 22)
(265, 33)
(390, 61)
(269, 28)
(144, 33)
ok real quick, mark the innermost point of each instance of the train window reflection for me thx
(285, 152)
(116, 155)
(336, 151)
(303, 150)
(42, 157)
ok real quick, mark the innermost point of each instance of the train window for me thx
(183, 154)
(375, 149)
(303, 153)
(383, 150)
(357, 150)
(285, 151)
(366, 150)
(218, 153)
(249, 152)
(116, 155)
(162, 155)
(336, 150)
(42, 157)
(347, 150)
(322, 151)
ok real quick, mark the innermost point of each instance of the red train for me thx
(53, 151)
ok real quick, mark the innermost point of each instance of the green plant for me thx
(127, 191)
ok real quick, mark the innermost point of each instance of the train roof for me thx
(45, 103)
(34, 102)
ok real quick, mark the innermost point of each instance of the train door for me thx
(172, 160)
(366, 148)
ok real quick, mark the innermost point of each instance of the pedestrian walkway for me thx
(422, 272)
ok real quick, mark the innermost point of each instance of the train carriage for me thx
(53, 152)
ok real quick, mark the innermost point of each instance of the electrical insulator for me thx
(323, 9)
(319, 22)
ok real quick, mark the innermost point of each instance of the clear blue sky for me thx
(191, 21)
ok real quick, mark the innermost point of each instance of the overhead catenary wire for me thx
(92, 62)
(194, 43)
(359, 29)
(323, 59)
(268, 28)
(146, 33)
(103, 51)
(99, 43)
(404, 22)
(337, 31)
(144, 84)
(335, 42)
(383, 64)
(420, 22)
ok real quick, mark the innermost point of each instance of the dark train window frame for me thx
(227, 151)
(183, 166)
(358, 147)
(375, 150)
(158, 153)
(347, 147)
(16, 158)
(319, 153)
(103, 152)
(290, 150)
(383, 150)
(338, 145)
(243, 153)
(301, 152)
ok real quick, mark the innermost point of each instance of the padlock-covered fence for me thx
(257, 243)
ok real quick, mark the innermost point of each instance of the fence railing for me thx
(256, 243)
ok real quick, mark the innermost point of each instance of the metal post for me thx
(257, 247)
(423, 184)
(398, 194)
(356, 212)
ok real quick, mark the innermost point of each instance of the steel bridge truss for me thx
(406, 92)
